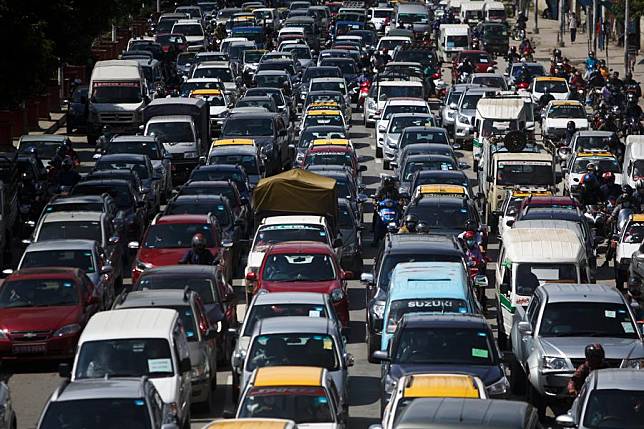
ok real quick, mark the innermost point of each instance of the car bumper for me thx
(463, 132)
(200, 388)
(389, 153)
(54, 348)
(554, 384)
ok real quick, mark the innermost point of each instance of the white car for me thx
(193, 30)
(630, 239)
(603, 160)
(556, 86)
(390, 43)
(557, 115)
(220, 70)
(398, 105)
(381, 92)
(379, 16)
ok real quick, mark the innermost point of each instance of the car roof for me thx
(523, 245)
(416, 129)
(289, 376)
(73, 217)
(280, 220)
(65, 244)
(300, 247)
(128, 138)
(295, 324)
(96, 388)
(619, 378)
(153, 298)
(201, 198)
(412, 242)
(440, 279)
(130, 323)
(235, 149)
(176, 270)
(419, 320)
(124, 157)
(43, 138)
(76, 198)
(289, 298)
(567, 292)
(45, 272)
(182, 218)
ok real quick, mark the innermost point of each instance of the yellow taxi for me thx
(414, 386)
(299, 393)
(442, 190)
(252, 424)
(332, 142)
(323, 117)
(323, 105)
(233, 142)
(556, 86)
(603, 161)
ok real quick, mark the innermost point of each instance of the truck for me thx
(118, 94)
(183, 126)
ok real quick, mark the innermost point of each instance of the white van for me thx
(633, 160)
(139, 342)
(494, 11)
(453, 38)
(529, 258)
(496, 116)
(472, 12)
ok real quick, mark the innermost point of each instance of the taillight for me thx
(436, 76)
(523, 85)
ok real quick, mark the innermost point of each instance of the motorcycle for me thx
(363, 92)
(387, 218)
(477, 268)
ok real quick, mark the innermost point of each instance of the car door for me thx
(526, 344)
(209, 344)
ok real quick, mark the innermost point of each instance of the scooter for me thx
(387, 218)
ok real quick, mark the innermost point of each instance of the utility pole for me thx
(536, 17)
(158, 6)
(626, 36)
(593, 22)
(560, 35)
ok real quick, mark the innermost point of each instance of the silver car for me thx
(308, 341)
(465, 112)
(550, 336)
(397, 124)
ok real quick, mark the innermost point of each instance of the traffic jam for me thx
(282, 214)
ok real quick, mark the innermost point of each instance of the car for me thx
(298, 340)
(398, 105)
(397, 124)
(255, 164)
(190, 85)
(424, 149)
(305, 394)
(330, 84)
(556, 86)
(381, 91)
(448, 111)
(221, 70)
(145, 145)
(461, 343)
(593, 140)
(535, 70)
(350, 228)
(105, 273)
(550, 335)
(218, 106)
(608, 394)
(465, 113)
(399, 248)
(576, 168)
(103, 203)
(416, 163)
(341, 155)
(309, 134)
(511, 206)
(284, 107)
(91, 403)
(43, 311)
(558, 113)
(492, 80)
(200, 334)
(261, 101)
(439, 177)
(427, 385)
(328, 96)
(138, 342)
(169, 238)
(418, 135)
(334, 117)
(217, 172)
(46, 145)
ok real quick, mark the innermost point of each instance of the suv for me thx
(550, 335)
(397, 249)
(92, 403)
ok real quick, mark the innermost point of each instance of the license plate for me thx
(29, 348)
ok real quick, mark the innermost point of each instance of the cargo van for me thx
(117, 95)
(472, 12)
(494, 11)
(414, 14)
(453, 38)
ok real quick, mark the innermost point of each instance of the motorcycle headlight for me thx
(554, 363)
(378, 309)
(68, 330)
(464, 119)
(190, 155)
(498, 387)
(633, 363)
(337, 295)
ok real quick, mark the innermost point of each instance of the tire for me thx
(378, 152)
(69, 128)
(208, 405)
(371, 347)
(502, 337)
(534, 398)
(517, 378)
(385, 165)
(186, 423)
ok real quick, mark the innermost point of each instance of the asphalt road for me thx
(32, 384)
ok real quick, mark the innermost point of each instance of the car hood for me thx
(487, 373)
(38, 318)
(320, 287)
(167, 388)
(260, 141)
(162, 257)
(115, 107)
(194, 38)
(318, 425)
(573, 347)
(563, 122)
(180, 147)
(217, 110)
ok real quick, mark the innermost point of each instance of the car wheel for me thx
(186, 422)
(371, 347)
(378, 152)
(69, 128)
(517, 378)
(534, 398)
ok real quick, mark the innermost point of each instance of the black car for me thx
(235, 173)
(131, 213)
(232, 227)
(102, 203)
(267, 102)
(308, 134)
(416, 163)
(78, 109)
(445, 214)
(440, 177)
(400, 248)
(313, 73)
(493, 37)
(349, 70)
(351, 233)
(129, 175)
(271, 135)
(448, 343)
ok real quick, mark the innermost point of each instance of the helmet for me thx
(67, 162)
(410, 218)
(469, 235)
(513, 49)
(594, 351)
(639, 185)
(388, 181)
(571, 126)
(634, 286)
(470, 225)
(422, 227)
(590, 167)
(591, 54)
(626, 189)
(198, 241)
(608, 177)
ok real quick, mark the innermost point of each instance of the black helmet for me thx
(626, 189)
(198, 241)
(411, 218)
(571, 126)
(422, 227)
(67, 162)
(594, 351)
(388, 181)
(634, 286)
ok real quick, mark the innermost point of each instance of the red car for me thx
(43, 311)
(480, 60)
(548, 202)
(334, 155)
(304, 266)
(169, 238)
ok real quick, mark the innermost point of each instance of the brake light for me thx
(436, 76)
(523, 85)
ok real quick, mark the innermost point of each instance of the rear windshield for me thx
(260, 312)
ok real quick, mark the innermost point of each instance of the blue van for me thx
(426, 287)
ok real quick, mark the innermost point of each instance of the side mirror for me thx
(347, 275)
(64, 370)
(393, 164)
(96, 156)
(7, 272)
(184, 365)
(362, 168)
(107, 269)
(349, 360)
(366, 278)
(233, 332)
(337, 243)
(481, 281)
(133, 245)
(566, 421)
(524, 328)
(510, 222)
(380, 356)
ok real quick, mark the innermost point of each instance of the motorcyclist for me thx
(578, 81)
(387, 190)
(610, 190)
(594, 360)
(198, 254)
(633, 109)
(608, 123)
(545, 99)
(410, 225)
(521, 21)
(524, 75)
(68, 177)
(512, 55)
(591, 63)
(571, 129)
(364, 76)
(466, 67)
(590, 187)
(596, 80)
(220, 31)
(66, 149)
(632, 85)
(422, 228)
(556, 56)
(616, 81)
(526, 47)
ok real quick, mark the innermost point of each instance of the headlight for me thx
(464, 119)
(68, 330)
(554, 363)
(3, 334)
(142, 265)
(190, 155)
(633, 363)
(378, 309)
(499, 387)
(337, 295)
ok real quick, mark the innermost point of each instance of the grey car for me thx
(465, 112)
(397, 124)
(46, 146)
(201, 336)
(549, 337)
(8, 417)
(92, 403)
(351, 233)
(309, 341)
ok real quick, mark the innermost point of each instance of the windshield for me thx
(587, 319)
(415, 56)
(176, 235)
(188, 29)
(299, 267)
(391, 110)
(221, 73)
(244, 126)
(530, 276)
(185, 58)
(273, 234)
(247, 162)
(171, 132)
(387, 92)
(491, 81)
(567, 112)
(140, 169)
(213, 189)
(270, 80)
(390, 262)
(293, 349)
(81, 259)
(260, 312)
(413, 18)
(300, 404)
(235, 51)
(440, 179)
(379, 13)
(534, 70)
(445, 346)
(328, 86)
(470, 101)
(252, 56)
(584, 143)
(602, 164)
(97, 413)
(615, 409)
(457, 42)
(347, 67)
(329, 158)
(75, 207)
(149, 149)
(203, 287)
(414, 137)
(300, 53)
(441, 215)
(552, 86)
(401, 307)
(125, 358)
(85, 230)
(199, 208)
(398, 124)
(315, 72)
(315, 120)
(117, 92)
(44, 292)
(414, 166)
(45, 150)
(524, 173)
(120, 192)
(307, 136)
(390, 44)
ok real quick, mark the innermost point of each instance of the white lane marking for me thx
(241, 311)
(373, 146)
(378, 161)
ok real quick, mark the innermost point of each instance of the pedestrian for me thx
(573, 27)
